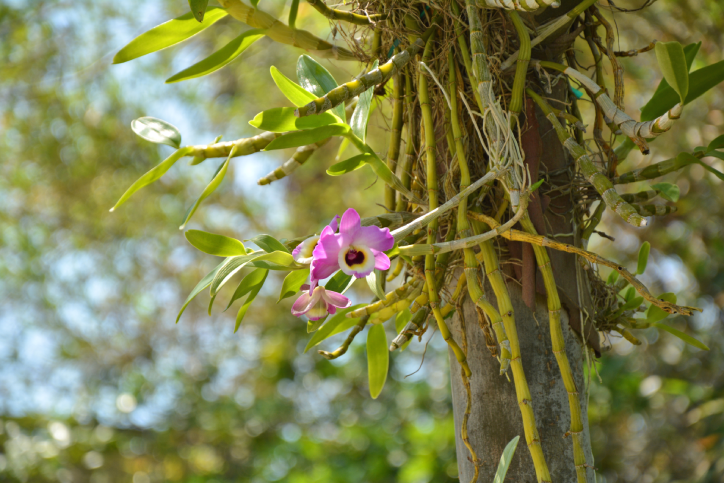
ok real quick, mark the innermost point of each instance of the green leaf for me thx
(255, 286)
(228, 269)
(672, 62)
(378, 359)
(668, 191)
(348, 165)
(292, 283)
(700, 81)
(340, 282)
(291, 90)
(220, 58)
(632, 304)
(316, 79)
(715, 172)
(203, 283)
(716, 144)
(278, 260)
(361, 114)
(716, 154)
(282, 119)
(219, 245)
(401, 320)
(505, 460)
(246, 285)
(168, 34)
(269, 244)
(210, 188)
(686, 338)
(612, 277)
(690, 52)
(303, 138)
(254, 3)
(630, 294)
(313, 325)
(374, 281)
(198, 8)
(643, 257)
(335, 325)
(157, 131)
(152, 175)
(655, 314)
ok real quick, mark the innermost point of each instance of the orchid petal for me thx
(302, 304)
(349, 225)
(374, 237)
(382, 261)
(334, 224)
(335, 299)
(326, 254)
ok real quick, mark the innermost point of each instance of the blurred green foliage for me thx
(98, 384)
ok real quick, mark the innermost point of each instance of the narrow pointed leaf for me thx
(313, 325)
(291, 90)
(269, 244)
(716, 144)
(655, 314)
(336, 324)
(302, 138)
(152, 175)
(229, 268)
(282, 119)
(686, 338)
(316, 79)
(348, 165)
(612, 277)
(632, 304)
(210, 188)
(361, 114)
(247, 303)
(378, 359)
(715, 172)
(643, 257)
(278, 260)
(668, 191)
(505, 460)
(339, 282)
(690, 52)
(219, 245)
(198, 8)
(203, 283)
(168, 34)
(672, 62)
(220, 58)
(292, 283)
(247, 284)
(157, 131)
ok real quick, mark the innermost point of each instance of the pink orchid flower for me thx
(318, 302)
(303, 253)
(356, 250)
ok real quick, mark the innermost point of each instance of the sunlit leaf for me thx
(378, 359)
(291, 90)
(335, 325)
(157, 131)
(213, 244)
(282, 119)
(505, 460)
(152, 175)
(302, 138)
(339, 282)
(220, 58)
(198, 8)
(254, 285)
(668, 191)
(686, 338)
(210, 188)
(643, 257)
(349, 165)
(168, 34)
(401, 320)
(269, 244)
(361, 114)
(228, 269)
(672, 62)
(292, 283)
(374, 281)
(316, 79)
(246, 285)
(203, 283)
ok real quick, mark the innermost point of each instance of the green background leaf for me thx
(655, 314)
(198, 8)
(316, 79)
(686, 338)
(291, 90)
(378, 359)
(348, 165)
(256, 284)
(213, 244)
(668, 191)
(268, 243)
(672, 62)
(292, 283)
(157, 131)
(334, 325)
(361, 114)
(643, 258)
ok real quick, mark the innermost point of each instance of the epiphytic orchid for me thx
(356, 249)
(303, 252)
(318, 302)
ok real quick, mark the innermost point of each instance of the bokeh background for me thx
(97, 383)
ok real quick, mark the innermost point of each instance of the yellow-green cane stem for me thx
(300, 156)
(354, 18)
(390, 297)
(522, 5)
(394, 308)
(398, 269)
(412, 143)
(521, 69)
(464, 51)
(659, 169)
(654, 210)
(589, 171)
(412, 327)
(393, 152)
(559, 350)
(490, 263)
(293, 10)
(244, 147)
(279, 32)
